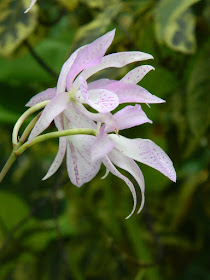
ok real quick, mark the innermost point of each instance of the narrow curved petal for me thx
(137, 74)
(99, 83)
(31, 5)
(57, 105)
(61, 84)
(102, 146)
(79, 166)
(129, 165)
(129, 116)
(59, 122)
(106, 161)
(101, 100)
(128, 93)
(89, 56)
(47, 94)
(58, 159)
(116, 60)
(147, 152)
(105, 175)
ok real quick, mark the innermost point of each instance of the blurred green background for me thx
(53, 230)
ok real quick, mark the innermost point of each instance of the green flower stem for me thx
(18, 150)
(29, 128)
(8, 165)
(24, 116)
(55, 134)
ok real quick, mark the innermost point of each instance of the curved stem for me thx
(24, 116)
(18, 149)
(29, 128)
(55, 134)
(8, 165)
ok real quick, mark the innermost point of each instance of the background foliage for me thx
(53, 230)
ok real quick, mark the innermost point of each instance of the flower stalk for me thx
(21, 148)
(23, 117)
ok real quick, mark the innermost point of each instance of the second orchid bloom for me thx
(68, 108)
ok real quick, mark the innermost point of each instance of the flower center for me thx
(72, 92)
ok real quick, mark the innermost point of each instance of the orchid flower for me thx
(86, 153)
(102, 95)
(31, 5)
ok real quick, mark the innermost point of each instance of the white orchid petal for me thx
(106, 161)
(137, 74)
(129, 165)
(57, 105)
(102, 146)
(47, 94)
(59, 122)
(98, 117)
(31, 5)
(116, 60)
(128, 117)
(99, 83)
(79, 166)
(58, 159)
(105, 175)
(61, 84)
(147, 152)
(102, 100)
(76, 119)
(132, 93)
(89, 56)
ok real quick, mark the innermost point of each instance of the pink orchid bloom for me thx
(85, 153)
(103, 95)
(31, 5)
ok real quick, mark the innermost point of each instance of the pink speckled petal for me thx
(102, 145)
(128, 93)
(31, 5)
(147, 152)
(57, 105)
(47, 94)
(99, 83)
(61, 84)
(106, 161)
(129, 165)
(137, 74)
(101, 100)
(59, 122)
(129, 116)
(58, 159)
(77, 119)
(116, 60)
(89, 56)
(79, 166)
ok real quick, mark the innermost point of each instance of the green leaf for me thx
(99, 4)
(15, 26)
(198, 93)
(175, 24)
(70, 5)
(53, 53)
(98, 26)
(12, 210)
